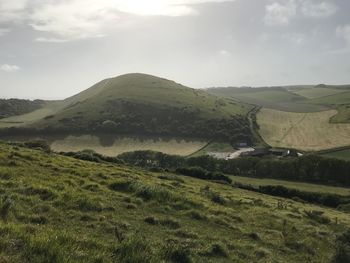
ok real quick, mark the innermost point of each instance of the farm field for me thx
(341, 154)
(77, 211)
(337, 99)
(272, 98)
(303, 131)
(314, 93)
(119, 145)
(293, 185)
(343, 115)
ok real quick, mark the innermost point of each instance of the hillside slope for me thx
(13, 107)
(290, 98)
(144, 104)
(58, 209)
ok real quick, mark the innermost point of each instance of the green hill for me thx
(278, 98)
(59, 209)
(146, 105)
(305, 98)
(13, 107)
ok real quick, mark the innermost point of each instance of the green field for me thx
(59, 209)
(338, 154)
(343, 115)
(272, 98)
(293, 185)
(337, 99)
(318, 92)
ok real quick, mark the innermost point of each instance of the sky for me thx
(52, 49)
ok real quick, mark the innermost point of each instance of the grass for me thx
(304, 131)
(272, 98)
(337, 99)
(318, 92)
(147, 90)
(343, 154)
(293, 185)
(343, 115)
(66, 210)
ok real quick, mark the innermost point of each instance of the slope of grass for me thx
(149, 90)
(58, 209)
(343, 115)
(318, 92)
(13, 107)
(338, 154)
(272, 98)
(141, 104)
(335, 100)
(304, 131)
(293, 185)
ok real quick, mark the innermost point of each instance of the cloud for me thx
(12, 10)
(79, 19)
(280, 13)
(319, 9)
(4, 31)
(224, 53)
(344, 32)
(9, 68)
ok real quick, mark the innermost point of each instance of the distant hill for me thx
(13, 107)
(303, 98)
(146, 105)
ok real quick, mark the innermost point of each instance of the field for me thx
(58, 209)
(343, 115)
(341, 154)
(120, 145)
(304, 131)
(30, 118)
(314, 93)
(337, 99)
(293, 185)
(272, 98)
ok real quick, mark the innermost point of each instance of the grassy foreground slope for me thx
(58, 209)
(304, 131)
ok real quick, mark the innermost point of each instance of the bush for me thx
(198, 172)
(172, 252)
(318, 216)
(5, 207)
(217, 250)
(342, 254)
(39, 144)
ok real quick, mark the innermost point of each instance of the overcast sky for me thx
(55, 48)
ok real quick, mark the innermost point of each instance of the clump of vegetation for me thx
(318, 216)
(217, 250)
(342, 254)
(135, 249)
(173, 252)
(201, 173)
(92, 156)
(5, 207)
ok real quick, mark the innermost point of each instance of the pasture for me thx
(303, 131)
(343, 154)
(317, 92)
